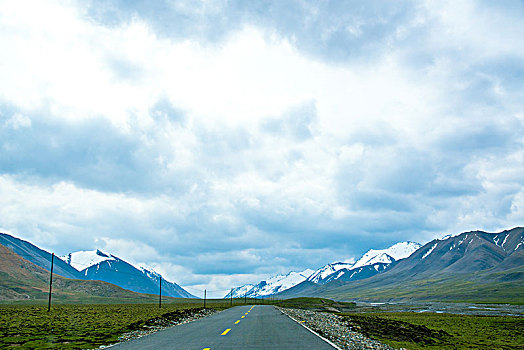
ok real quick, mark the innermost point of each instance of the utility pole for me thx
(51, 282)
(204, 298)
(245, 297)
(231, 295)
(160, 294)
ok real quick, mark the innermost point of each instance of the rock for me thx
(334, 328)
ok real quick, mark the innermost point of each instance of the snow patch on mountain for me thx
(327, 270)
(289, 280)
(398, 251)
(430, 250)
(149, 272)
(240, 292)
(518, 245)
(86, 258)
(272, 285)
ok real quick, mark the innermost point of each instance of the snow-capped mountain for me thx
(273, 285)
(379, 260)
(471, 265)
(85, 258)
(97, 265)
(327, 270)
(396, 252)
(357, 273)
(371, 263)
(240, 292)
(469, 251)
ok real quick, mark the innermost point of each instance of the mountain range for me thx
(92, 266)
(471, 266)
(370, 264)
(23, 280)
(271, 286)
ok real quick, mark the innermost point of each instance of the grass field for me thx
(415, 330)
(441, 331)
(70, 326)
(74, 326)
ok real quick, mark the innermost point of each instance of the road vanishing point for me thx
(240, 327)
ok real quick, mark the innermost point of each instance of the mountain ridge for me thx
(372, 262)
(22, 280)
(96, 266)
(474, 265)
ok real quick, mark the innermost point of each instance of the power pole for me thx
(204, 298)
(51, 282)
(231, 295)
(245, 297)
(160, 294)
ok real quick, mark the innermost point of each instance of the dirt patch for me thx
(381, 328)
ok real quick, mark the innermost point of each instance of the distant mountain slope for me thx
(270, 286)
(371, 263)
(97, 265)
(473, 265)
(38, 256)
(23, 280)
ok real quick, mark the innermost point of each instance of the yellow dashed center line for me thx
(237, 322)
(243, 316)
(226, 331)
(206, 349)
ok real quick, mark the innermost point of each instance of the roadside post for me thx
(51, 282)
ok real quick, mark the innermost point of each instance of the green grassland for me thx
(441, 331)
(415, 330)
(74, 326)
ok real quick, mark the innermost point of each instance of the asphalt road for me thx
(241, 327)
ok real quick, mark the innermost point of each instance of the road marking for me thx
(315, 333)
(243, 316)
(246, 313)
(237, 322)
(206, 349)
(226, 331)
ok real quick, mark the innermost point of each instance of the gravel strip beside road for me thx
(334, 328)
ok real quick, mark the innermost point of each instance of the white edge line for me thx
(312, 331)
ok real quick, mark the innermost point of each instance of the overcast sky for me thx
(221, 142)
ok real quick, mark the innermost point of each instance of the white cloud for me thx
(250, 138)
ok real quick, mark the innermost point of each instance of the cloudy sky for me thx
(225, 141)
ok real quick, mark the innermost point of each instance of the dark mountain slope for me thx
(38, 256)
(20, 279)
(120, 273)
(125, 275)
